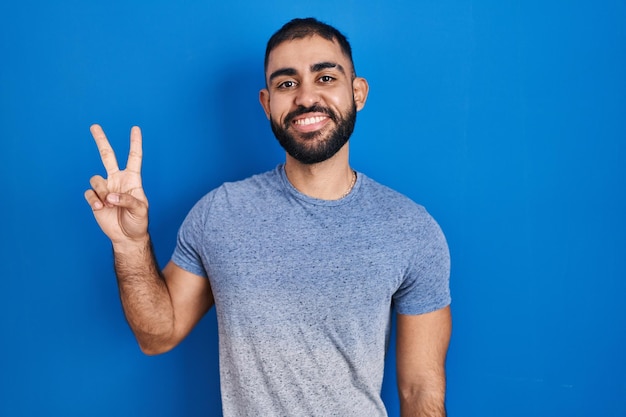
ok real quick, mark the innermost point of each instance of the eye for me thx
(287, 84)
(326, 79)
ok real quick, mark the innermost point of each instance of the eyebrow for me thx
(283, 72)
(326, 65)
(314, 68)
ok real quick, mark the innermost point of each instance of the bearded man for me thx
(305, 264)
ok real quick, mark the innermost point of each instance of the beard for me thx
(313, 147)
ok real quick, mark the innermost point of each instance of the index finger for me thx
(106, 151)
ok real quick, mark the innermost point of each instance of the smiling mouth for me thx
(309, 120)
(310, 124)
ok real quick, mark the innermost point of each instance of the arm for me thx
(421, 347)
(161, 308)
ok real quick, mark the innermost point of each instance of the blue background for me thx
(506, 119)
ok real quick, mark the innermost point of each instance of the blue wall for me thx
(506, 119)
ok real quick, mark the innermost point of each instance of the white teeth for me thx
(309, 120)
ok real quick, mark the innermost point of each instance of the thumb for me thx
(127, 201)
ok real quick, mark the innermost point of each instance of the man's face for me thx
(311, 98)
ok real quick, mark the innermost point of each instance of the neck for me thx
(328, 180)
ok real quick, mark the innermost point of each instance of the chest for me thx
(304, 261)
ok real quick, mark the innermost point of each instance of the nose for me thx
(307, 95)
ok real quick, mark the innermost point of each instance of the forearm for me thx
(144, 295)
(425, 400)
(421, 346)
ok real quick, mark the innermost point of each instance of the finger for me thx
(94, 202)
(100, 187)
(135, 154)
(106, 151)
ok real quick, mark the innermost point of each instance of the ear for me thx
(264, 98)
(360, 88)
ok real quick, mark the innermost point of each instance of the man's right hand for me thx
(118, 202)
(161, 307)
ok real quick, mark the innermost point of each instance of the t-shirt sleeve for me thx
(187, 253)
(426, 285)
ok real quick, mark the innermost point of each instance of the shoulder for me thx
(385, 200)
(241, 193)
(248, 187)
(257, 184)
(395, 213)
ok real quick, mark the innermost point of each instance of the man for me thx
(303, 263)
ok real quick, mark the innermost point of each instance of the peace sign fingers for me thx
(106, 151)
(118, 201)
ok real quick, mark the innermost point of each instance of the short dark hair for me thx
(302, 28)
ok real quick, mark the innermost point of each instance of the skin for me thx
(421, 346)
(162, 307)
(297, 75)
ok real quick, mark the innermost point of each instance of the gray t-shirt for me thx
(304, 290)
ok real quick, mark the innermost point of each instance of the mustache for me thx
(313, 109)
